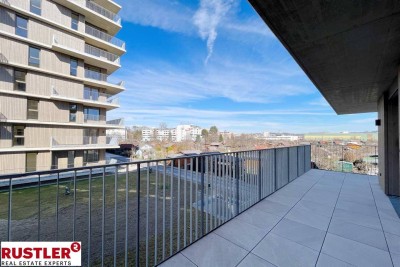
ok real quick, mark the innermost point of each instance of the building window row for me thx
(36, 7)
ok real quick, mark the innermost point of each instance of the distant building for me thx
(280, 137)
(150, 134)
(365, 136)
(187, 132)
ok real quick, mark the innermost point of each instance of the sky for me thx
(215, 62)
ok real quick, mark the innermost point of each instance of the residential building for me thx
(187, 132)
(280, 137)
(56, 56)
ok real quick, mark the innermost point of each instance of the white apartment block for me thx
(178, 134)
(280, 137)
(187, 132)
(55, 59)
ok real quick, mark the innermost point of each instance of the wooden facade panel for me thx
(6, 78)
(13, 51)
(13, 107)
(43, 33)
(12, 162)
(43, 162)
(56, 13)
(42, 84)
(53, 111)
(23, 4)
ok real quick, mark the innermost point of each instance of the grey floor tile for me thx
(259, 218)
(273, 207)
(214, 250)
(365, 209)
(396, 260)
(328, 261)
(393, 242)
(359, 233)
(285, 253)
(308, 217)
(316, 207)
(303, 234)
(360, 219)
(388, 214)
(391, 226)
(178, 261)
(354, 252)
(284, 198)
(252, 260)
(242, 234)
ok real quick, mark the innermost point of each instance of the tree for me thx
(204, 133)
(198, 139)
(221, 138)
(213, 130)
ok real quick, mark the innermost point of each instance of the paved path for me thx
(321, 219)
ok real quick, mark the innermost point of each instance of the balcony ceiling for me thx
(349, 49)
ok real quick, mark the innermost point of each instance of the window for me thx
(34, 56)
(91, 136)
(33, 109)
(20, 80)
(18, 135)
(21, 27)
(73, 108)
(36, 7)
(31, 159)
(91, 114)
(74, 21)
(90, 156)
(73, 66)
(91, 93)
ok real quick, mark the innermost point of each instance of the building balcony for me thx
(101, 100)
(91, 55)
(104, 37)
(250, 208)
(95, 13)
(101, 119)
(83, 142)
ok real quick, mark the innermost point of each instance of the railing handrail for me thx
(100, 10)
(91, 74)
(104, 36)
(20, 175)
(103, 97)
(101, 53)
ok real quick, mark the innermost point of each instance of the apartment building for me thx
(150, 134)
(187, 132)
(55, 59)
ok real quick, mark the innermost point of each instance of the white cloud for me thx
(207, 19)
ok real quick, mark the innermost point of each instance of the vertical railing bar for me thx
(213, 178)
(191, 201)
(171, 206)
(231, 184)
(206, 192)
(288, 164)
(57, 203)
(147, 213)
(138, 215)
(297, 161)
(103, 217)
(9, 209)
(219, 204)
(178, 213)
(196, 198)
(275, 172)
(259, 176)
(90, 217)
(74, 211)
(164, 207)
(156, 218)
(184, 205)
(39, 211)
(127, 215)
(236, 177)
(202, 163)
(115, 213)
(224, 198)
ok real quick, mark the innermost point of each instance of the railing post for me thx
(237, 182)
(288, 164)
(259, 175)
(202, 167)
(297, 161)
(138, 215)
(342, 159)
(275, 178)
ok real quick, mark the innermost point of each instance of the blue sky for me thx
(214, 62)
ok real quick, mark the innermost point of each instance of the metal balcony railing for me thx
(346, 158)
(140, 213)
(94, 118)
(94, 75)
(100, 53)
(119, 122)
(65, 141)
(104, 36)
(88, 96)
(100, 10)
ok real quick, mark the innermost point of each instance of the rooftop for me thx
(322, 218)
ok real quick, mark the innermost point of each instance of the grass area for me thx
(25, 201)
